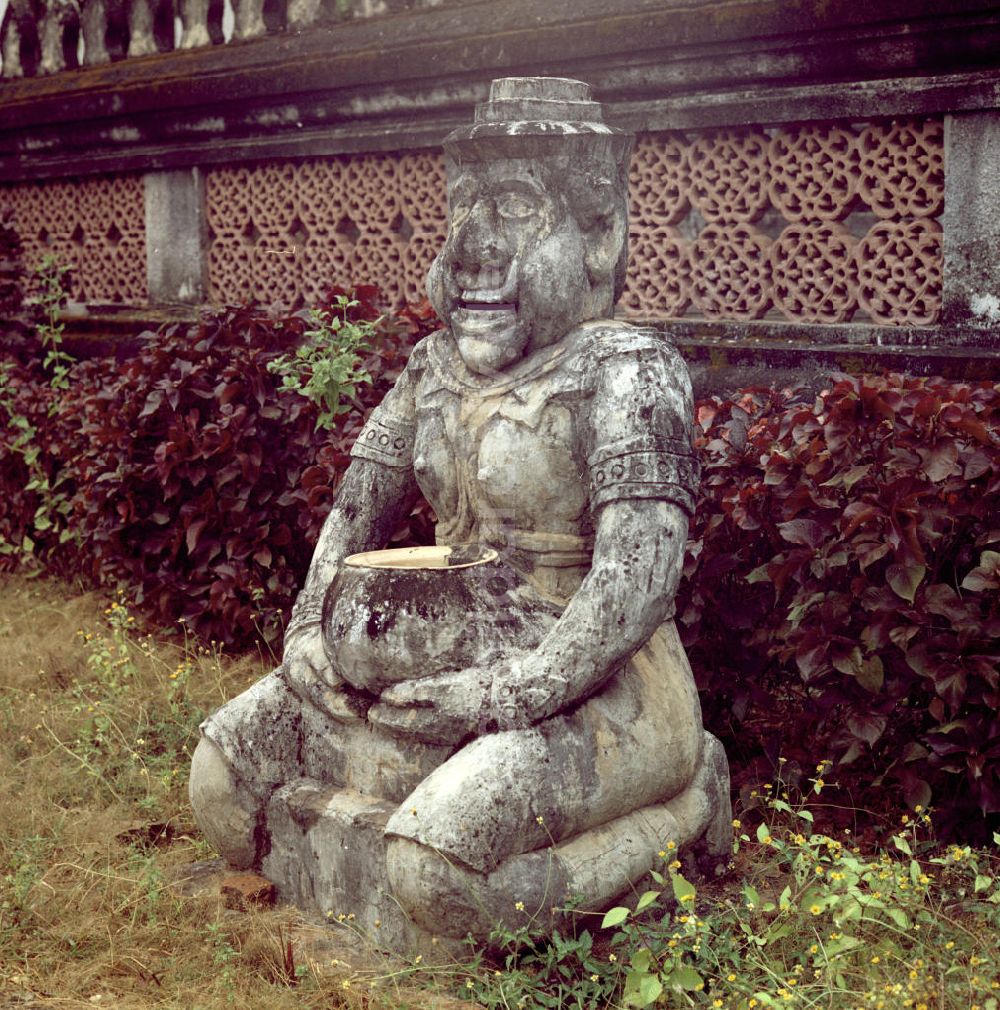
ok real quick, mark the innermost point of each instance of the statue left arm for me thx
(627, 594)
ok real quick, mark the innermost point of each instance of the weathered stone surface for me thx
(971, 222)
(442, 735)
(175, 229)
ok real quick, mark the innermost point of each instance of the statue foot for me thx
(223, 807)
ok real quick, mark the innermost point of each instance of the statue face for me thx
(513, 273)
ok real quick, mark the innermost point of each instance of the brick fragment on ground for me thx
(244, 891)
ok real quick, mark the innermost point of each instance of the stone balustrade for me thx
(47, 36)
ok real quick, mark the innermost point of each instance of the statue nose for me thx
(480, 243)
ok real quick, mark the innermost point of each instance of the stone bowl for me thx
(397, 615)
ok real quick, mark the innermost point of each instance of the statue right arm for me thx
(377, 492)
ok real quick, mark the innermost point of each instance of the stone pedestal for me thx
(328, 854)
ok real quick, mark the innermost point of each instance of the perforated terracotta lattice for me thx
(95, 226)
(286, 231)
(814, 223)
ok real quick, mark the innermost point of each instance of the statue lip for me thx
(484, 315)
(484, 305)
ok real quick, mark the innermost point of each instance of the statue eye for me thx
(459, 212)
(516, 205)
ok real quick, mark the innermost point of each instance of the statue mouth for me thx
(473, 305)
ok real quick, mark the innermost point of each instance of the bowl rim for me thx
(428, 559)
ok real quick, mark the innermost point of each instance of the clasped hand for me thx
(448, 707)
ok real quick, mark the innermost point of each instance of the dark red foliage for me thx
(204, 485)
(841, 592)
(841, 597)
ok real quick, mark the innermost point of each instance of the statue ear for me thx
(607, 231)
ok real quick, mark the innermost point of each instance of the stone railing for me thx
(810, 183)
(47, 36)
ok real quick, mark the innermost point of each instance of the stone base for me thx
(328, 854)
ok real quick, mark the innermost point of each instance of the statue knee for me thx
(223, 807)
(437, 894)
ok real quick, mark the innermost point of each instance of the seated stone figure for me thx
(442, 801)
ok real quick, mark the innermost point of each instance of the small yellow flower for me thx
(519, 905)
(595, 978)
(418, 959)
(612, 958)
(815, 909)
(539, 819)
(737, 823)
(671, 845)
(469, 984)
(730, 977)
(662, 854)
(876, 959)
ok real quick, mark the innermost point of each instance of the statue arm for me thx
(626, 595)
(636, 436)
(378, 490)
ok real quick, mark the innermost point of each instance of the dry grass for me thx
(97, 723)
(109, 897)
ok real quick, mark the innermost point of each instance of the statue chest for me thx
(506, 461)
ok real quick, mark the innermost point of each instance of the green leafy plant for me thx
(50, 298)
(327, 367)
(34, 398)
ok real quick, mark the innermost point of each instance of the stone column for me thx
(971, 221)
(175, 236)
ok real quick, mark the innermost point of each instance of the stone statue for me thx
(429, 778)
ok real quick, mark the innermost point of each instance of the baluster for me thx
(258, 17)
(151, 26)
(302, 13)
(249, 20)
(59, 34)
(104, 31)
(19, 38)
(201, 21)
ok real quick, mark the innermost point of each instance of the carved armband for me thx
(659, 468)
(385, 440)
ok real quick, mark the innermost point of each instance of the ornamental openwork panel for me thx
(95, 226)
(812, 223)
(287, 231)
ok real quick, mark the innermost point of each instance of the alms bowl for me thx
(397, 615)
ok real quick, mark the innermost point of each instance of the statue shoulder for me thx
(610, 349)
(607, 339)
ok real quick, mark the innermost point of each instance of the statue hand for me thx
(442, 709)
(526, 690)
(308, 672)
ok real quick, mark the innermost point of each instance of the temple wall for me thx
(806, 186)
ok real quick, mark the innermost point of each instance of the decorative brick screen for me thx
(285, 231)
(814, 222)
(810, 223)
(96, 226)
